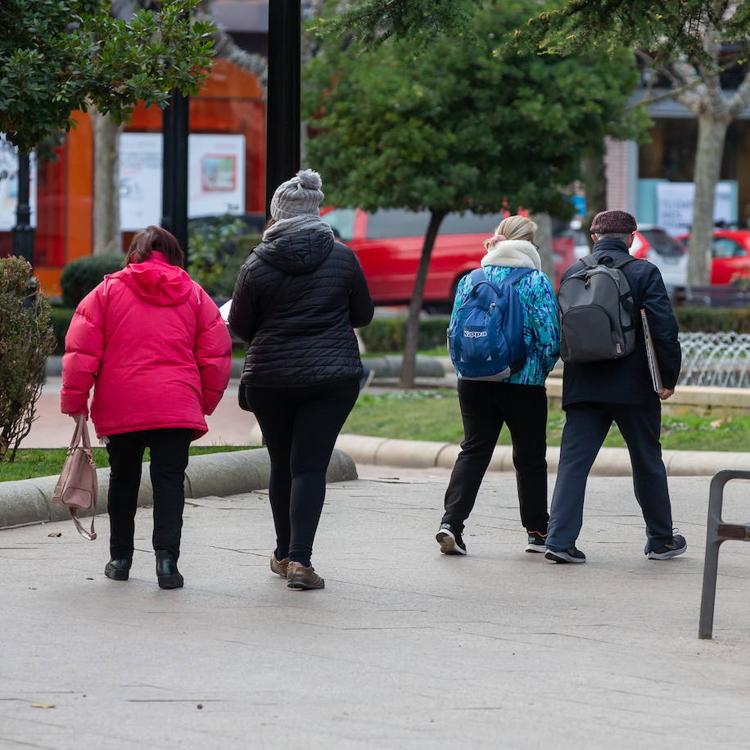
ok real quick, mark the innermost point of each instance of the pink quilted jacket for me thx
(154, 347)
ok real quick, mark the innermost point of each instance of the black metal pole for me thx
(174, 197)
(23, 233)
(284, 74)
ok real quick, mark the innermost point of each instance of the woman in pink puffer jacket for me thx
(154, 347)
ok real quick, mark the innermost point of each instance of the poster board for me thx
(674, 202)
(216, 177)
(9, 186)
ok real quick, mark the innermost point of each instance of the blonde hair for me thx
(512, 228)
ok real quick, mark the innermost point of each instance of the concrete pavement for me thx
(404, 648)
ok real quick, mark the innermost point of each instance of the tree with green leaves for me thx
(66, 55)
(466, 124)
(689, 42)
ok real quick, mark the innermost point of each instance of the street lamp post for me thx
(23, 233)
(174, 196)
(284, 74)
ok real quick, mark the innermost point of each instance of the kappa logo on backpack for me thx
(597, 312)
(485, 336)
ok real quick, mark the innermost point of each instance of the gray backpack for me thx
(597, 312)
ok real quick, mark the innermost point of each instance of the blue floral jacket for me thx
(541, 329)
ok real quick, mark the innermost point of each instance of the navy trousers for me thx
(586, 427)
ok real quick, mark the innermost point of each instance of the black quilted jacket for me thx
(296, 302)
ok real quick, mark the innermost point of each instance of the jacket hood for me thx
(157, 282)
(513, 253)
(298, 253)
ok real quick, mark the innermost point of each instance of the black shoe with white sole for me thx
(536, 542)
(572, 555)
(450, 541)
(677, 546)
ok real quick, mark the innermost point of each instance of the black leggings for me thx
(300, 427)
(169, 459)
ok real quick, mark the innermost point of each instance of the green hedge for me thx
(84, 274)
(388, 334)
(713, 319)
(61, 317)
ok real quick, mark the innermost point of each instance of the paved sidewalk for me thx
(404, 649)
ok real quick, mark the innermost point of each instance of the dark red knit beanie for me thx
(613, 222)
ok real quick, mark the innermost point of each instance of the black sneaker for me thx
(677, 546)
(450, 541)
(572, 555)
(536, 542)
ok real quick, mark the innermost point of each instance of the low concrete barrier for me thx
(220, 474)
(611, 462)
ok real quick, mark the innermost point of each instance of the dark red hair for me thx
(153, 239)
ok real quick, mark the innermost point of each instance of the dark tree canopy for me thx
(64, 55)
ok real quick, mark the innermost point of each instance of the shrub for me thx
(84, 274)
(217, 252)
(388, 334)
(713, 319)
(60, 318)
(26, 339)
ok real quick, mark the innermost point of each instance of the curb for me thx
(215, 474)
(611, 462)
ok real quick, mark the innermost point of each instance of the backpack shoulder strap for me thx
(477, 275)
(517, 274)
(589, 261)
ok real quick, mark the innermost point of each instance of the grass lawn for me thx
(434, 415)
(40, 462)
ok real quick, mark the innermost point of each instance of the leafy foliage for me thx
(378, 20)
(26, 339)
(65, 55)
(388, 335)
(84, 274)
(465, 124)
(667, 29)
(217, 252)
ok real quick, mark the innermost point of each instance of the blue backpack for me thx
(485, 336)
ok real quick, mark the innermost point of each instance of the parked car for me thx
(389, 245)
(667, 253)
(730, 251)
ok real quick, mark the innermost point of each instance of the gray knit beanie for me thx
(298, 197)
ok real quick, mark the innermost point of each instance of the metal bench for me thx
(717, 532)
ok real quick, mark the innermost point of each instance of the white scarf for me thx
(513, 253)
(302, 223)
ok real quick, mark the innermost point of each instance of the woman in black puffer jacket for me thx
(297, 300)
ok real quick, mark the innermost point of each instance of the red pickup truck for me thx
(389, 244)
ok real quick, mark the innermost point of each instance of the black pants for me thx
(586, 427)
(485, 407)
(300, 426)
(169, 458)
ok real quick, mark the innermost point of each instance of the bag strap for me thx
(516, 275)
(82, 530)
(477, 275)
(589, 261)
(81, 435)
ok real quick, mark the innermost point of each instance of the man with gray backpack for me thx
(607, 379)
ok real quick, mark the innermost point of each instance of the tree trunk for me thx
(594, 175)
(712, 133)
(544, 243)
(409, 366)
(106, 185)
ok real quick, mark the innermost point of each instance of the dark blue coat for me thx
(296, 302)
(627, 380)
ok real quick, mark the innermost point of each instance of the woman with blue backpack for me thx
(504, 338)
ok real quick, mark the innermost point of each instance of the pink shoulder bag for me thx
(78, 486)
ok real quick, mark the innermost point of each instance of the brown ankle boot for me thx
(279, 566)
(300, 577)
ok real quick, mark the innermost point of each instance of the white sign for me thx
(9, 186)
(674, 201)
(216, 177)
